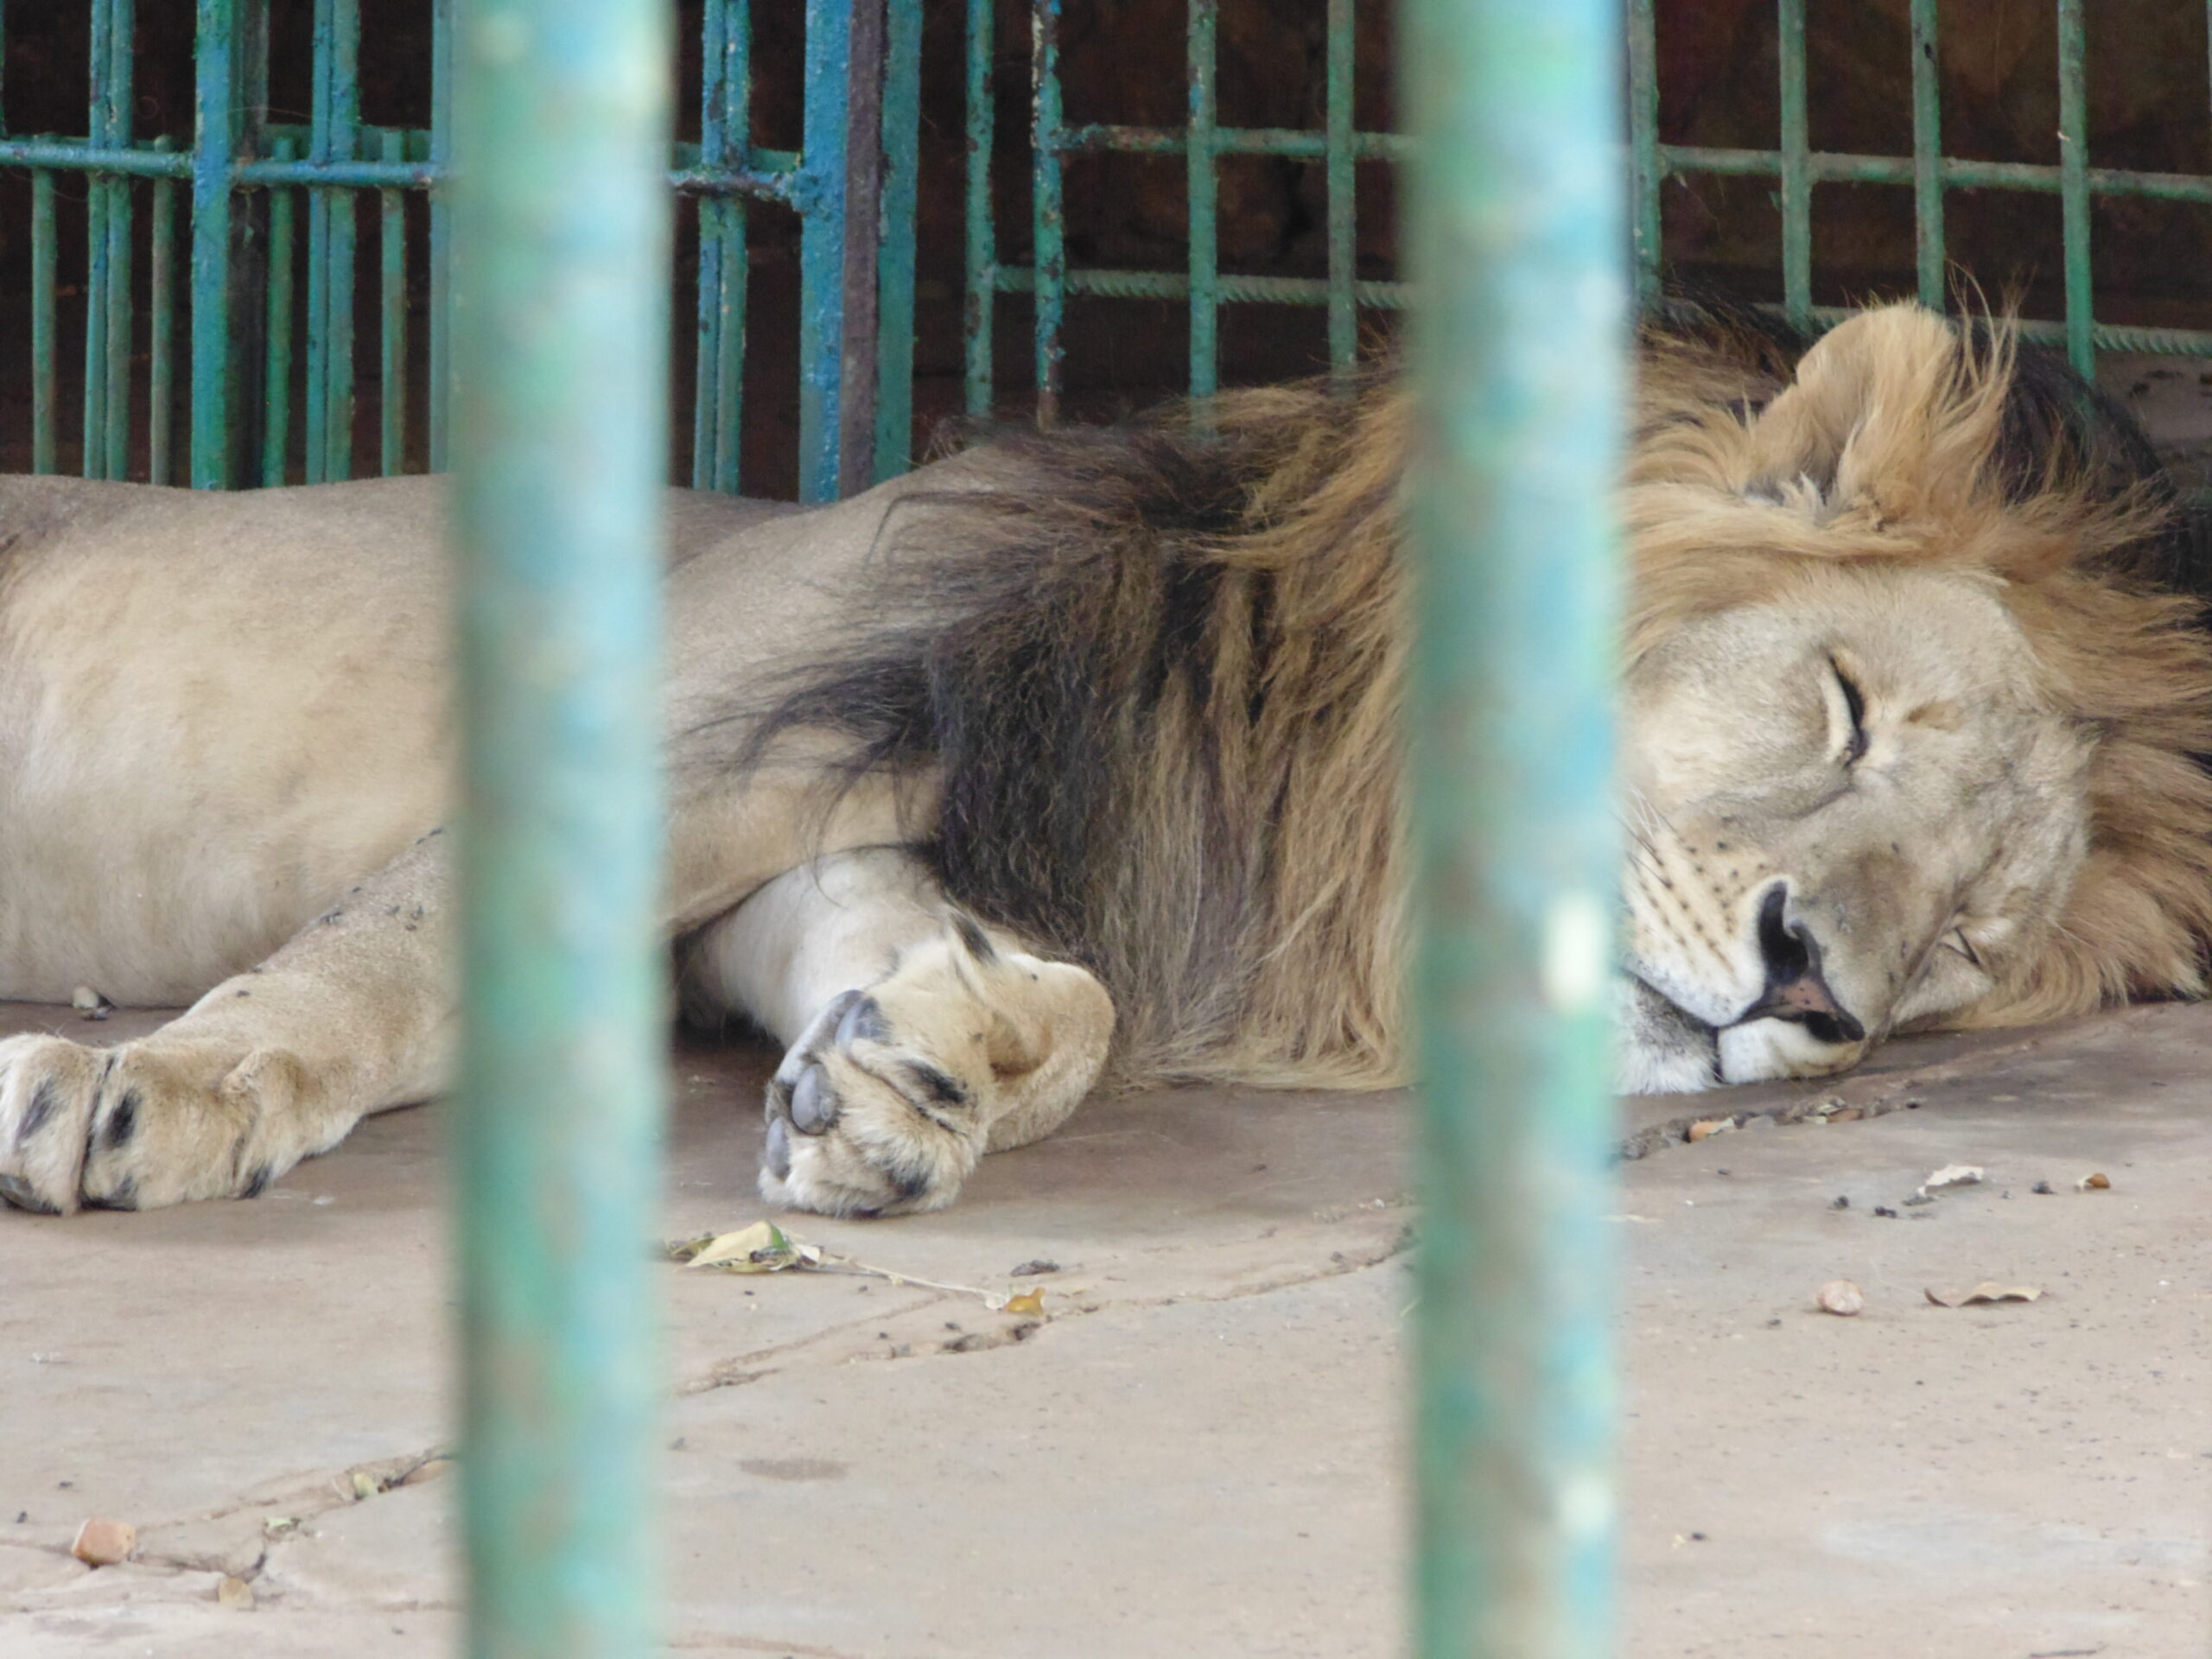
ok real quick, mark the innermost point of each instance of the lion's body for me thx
(1909, 740)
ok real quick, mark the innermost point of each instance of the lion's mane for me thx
(1157, 671)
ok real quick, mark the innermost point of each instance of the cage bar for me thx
(1927, 154)
(2074, 185)
(1644, 175)
(43, 341)
(1344, 247)
(161, 375)
(1203, 30)
(1049, 255)
(562, 254)
(822, 247)
(440, 364)
(392, 297)
(213, 151)
(978, 312)
(1516, 235)
(1797, 174)
(276, 373)
(893, 443)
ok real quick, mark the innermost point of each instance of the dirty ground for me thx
(1197, 1448)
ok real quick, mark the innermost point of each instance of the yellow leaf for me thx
(762, 1248)
(1030, 1301)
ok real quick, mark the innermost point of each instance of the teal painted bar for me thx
(1176, 285)
(341, 139)
(982, 249)
(161, 322)
(315, 451)
(1204, 185)
(1644, 175)
(276, 410)
(2074, 185)
(1927, 153)
(561, 252)
(99, 194)
(1343, 243)
(391, 359)
(894, 283)
(1797, 174)
(441, 365)
(116, 108)
(43, 341)
(1231, 141)
(822, 247)
(213, 147)
(1050, 266)
(1517, 238)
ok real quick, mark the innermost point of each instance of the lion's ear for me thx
(1891, 413)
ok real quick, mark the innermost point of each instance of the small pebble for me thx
(2043, 1188)
(1841, 1297)
(103, 1543)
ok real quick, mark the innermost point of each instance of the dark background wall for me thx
(1123, 58)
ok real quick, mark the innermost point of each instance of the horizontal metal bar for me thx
(75, 156)
(1176, 285)
(1232, 141)
(1832, 167)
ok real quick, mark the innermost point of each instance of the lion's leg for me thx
(350, 1016)
(917, 1039)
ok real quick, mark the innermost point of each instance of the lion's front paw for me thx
(863, 1120)
(147, 1124)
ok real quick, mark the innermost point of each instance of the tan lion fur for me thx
(1243, 891)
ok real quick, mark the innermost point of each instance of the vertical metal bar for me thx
(562, 245)
(276, 421)
(316, 403)
(1050, 252)
(982, 250)
(391, 369)
(213, 159)
(42, 343)
(343, 141)
(706, 356)
(1204, 187)
(1344, 245)
(1797, 170)
(856, 368)
(1927, 154)
(822, 246)
(114, 94)
(1645, 177)
(161, 379)
(894, 442)
(1518, 358)
(442, 387)
(737, 141)
(99, 199)
(2074, 185)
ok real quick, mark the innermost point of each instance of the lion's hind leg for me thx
(917, 1039)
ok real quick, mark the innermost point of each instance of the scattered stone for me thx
(1953, 1175)
(103, 1543)
(1886, 1212)
(1917, 1199)
(1841, 1201)
(2042, 1188)
(2093, 1184)
(1841, 1297)
(1030, 1269)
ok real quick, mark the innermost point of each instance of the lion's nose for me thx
(1795, 989)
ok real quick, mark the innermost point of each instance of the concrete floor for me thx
(1199, 1452)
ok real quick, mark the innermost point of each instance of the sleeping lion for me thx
(1076, 756)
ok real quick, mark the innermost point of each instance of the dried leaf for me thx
(1711, 1126)
(1030, 1301)
(762, 1248)
(2093, 1184)
(1987, 1291)
(1841, 1296)
(234, 1594)
(365, 1484)
(1953, 1175)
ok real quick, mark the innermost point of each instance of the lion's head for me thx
(1905, 741)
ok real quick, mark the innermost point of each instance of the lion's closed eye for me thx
(1847, 716)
